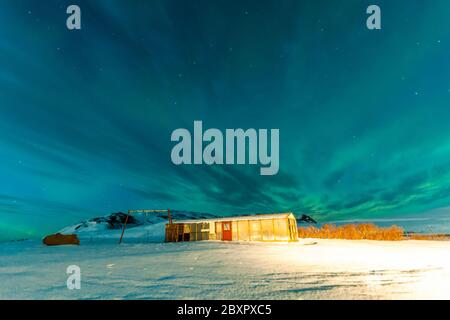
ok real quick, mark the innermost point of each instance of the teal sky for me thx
(86, 116)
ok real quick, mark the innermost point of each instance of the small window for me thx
(226, 226)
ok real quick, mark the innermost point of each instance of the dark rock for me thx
(306, 219)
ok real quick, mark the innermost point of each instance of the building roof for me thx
(240, 218)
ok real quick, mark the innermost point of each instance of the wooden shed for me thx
(261, 227)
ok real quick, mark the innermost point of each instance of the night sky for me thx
(86, 116)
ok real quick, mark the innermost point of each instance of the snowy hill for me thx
(140, 227)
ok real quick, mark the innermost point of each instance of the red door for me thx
(226, 231)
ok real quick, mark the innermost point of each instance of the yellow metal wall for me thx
(218, 230)
(243, 230)
(281, 229)
(212, 231)
(277, 229)
(234, 230)
(267, 228)
(294, 229)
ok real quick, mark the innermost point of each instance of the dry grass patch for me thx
(437, 236)
(366, 231)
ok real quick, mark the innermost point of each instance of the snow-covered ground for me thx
(310, 269)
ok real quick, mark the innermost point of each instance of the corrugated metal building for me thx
(262, 227)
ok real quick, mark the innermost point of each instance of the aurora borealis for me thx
(86, 116)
